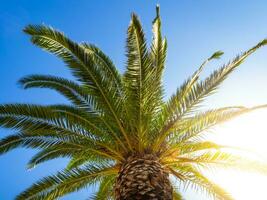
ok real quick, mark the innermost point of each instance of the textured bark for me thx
(143, 178)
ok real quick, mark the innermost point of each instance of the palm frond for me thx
(190, 148)
(185, 103)
(86, 157)
(83, 67)
(65, 182)
(30, 117)
(56, 151)
(106, 64)
(158, 53)
(198, 182)
(105, 190)
(169, 108)
(32, 141)
(135, 77)
(191, 128)
(222, 159)
(77, 94)
(62, 119)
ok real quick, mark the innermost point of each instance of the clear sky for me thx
(194, 29)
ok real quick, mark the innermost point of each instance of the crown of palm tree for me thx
(114, 116)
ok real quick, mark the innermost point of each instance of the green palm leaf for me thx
(83, 67)
(105, 189)
(198, 92)
(78, 95)
(65, 182)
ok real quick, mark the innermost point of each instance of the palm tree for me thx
(118, 131)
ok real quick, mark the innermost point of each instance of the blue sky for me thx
(194, 29)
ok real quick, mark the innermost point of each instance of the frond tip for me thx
(157, 10)
(216, 55)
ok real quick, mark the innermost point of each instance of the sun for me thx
(246, 132)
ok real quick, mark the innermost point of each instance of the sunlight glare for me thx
(248, 131)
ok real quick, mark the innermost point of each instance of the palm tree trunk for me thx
(143, 178)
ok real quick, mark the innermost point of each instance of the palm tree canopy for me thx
(112, 116)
